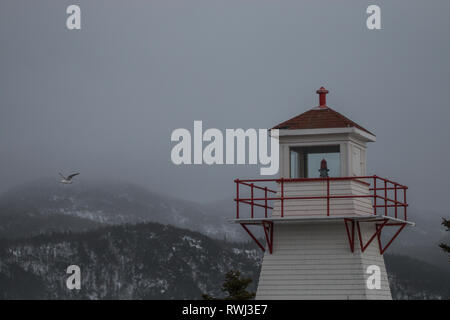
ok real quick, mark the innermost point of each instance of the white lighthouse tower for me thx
(324, 216)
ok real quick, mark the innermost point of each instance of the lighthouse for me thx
(324, 222)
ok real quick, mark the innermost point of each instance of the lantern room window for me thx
(305, 161)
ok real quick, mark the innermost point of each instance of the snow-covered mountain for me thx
(45, 205)
(142, 261)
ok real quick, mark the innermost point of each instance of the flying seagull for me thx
(68, 179)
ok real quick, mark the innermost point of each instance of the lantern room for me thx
(322, 134)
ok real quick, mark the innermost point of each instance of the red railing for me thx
(380, 190)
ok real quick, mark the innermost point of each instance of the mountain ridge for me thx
(94, 203)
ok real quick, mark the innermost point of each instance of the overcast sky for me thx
(104, 100)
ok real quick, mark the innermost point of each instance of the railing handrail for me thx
(322, 179)
(387, 185)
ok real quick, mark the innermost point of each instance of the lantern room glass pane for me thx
(294, 165)
(305, 161)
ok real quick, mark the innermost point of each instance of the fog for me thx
(105, 99)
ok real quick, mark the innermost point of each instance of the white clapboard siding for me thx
(318, 207)
(314, 261)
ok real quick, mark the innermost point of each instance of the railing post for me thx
(328, 196)
(404, 202)
(282, 197)
(375, 195)
(265, 202)
(385, 198)
(252, 199)
(395, 198)
(237, 198)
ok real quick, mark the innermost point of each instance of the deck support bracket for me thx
(268, 233)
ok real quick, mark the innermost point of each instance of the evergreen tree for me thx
(445, 247)
(235, 287)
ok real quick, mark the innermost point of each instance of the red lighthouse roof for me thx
(319, 117)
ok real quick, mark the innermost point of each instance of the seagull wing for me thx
(62, 175)
(72, 175)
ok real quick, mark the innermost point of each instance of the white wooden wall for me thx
(318, 207)
(314, 261)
